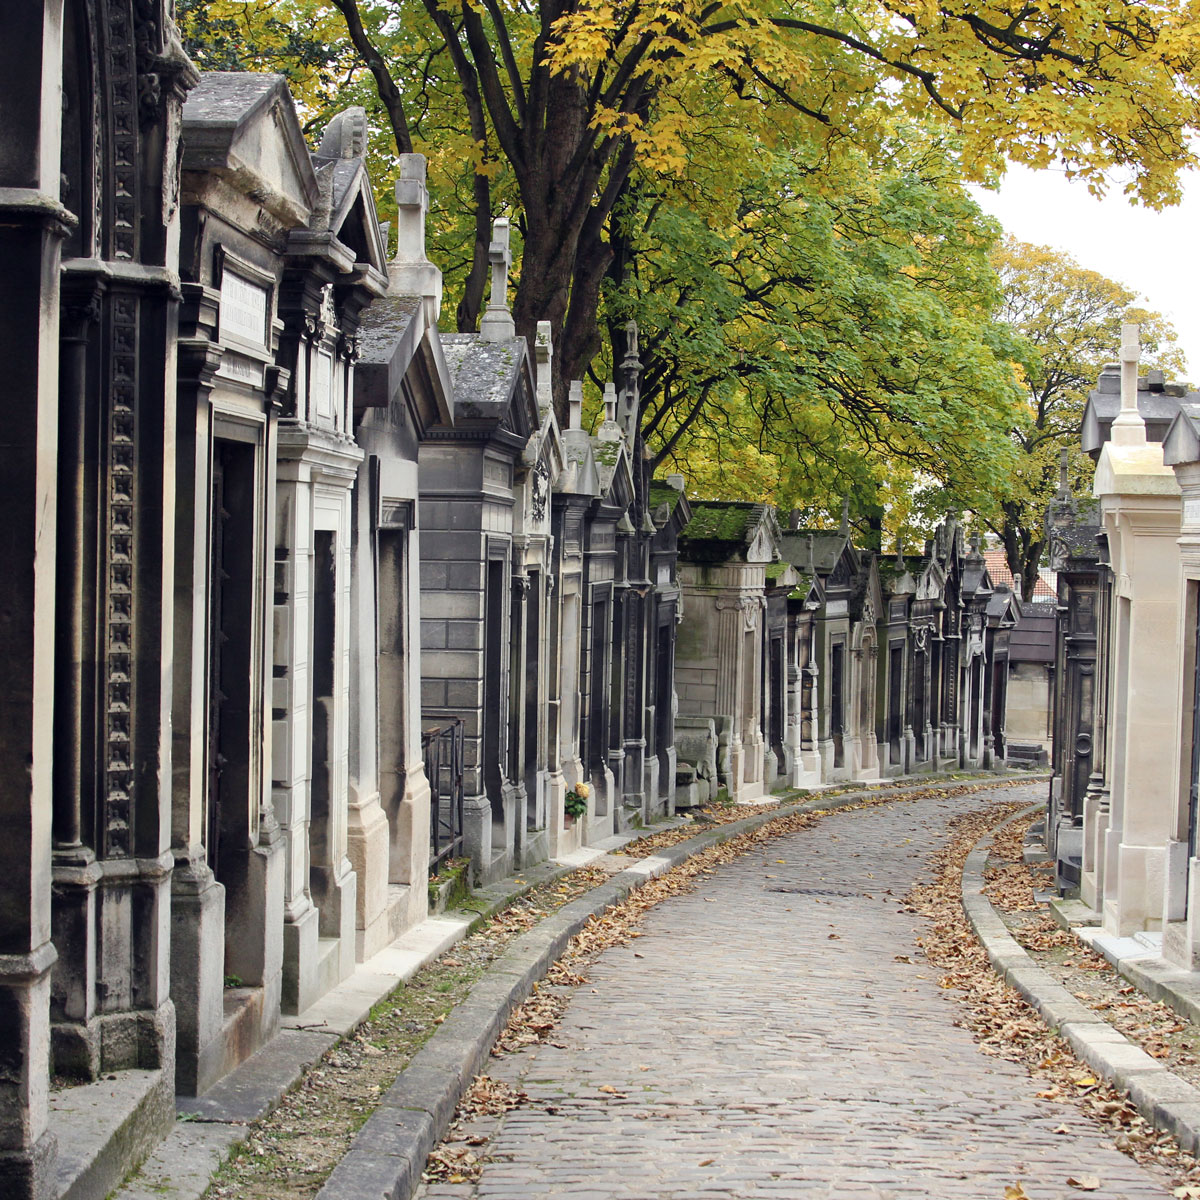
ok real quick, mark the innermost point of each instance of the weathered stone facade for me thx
(1123, 799)
(303, 595)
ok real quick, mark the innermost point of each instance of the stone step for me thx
(105, 1129)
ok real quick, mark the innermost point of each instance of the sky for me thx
(1154, 254)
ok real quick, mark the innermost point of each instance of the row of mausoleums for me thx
(803, 660)
(303, 596)
(1124, 799)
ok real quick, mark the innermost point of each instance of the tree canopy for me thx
(553, 104)
(1069, 321)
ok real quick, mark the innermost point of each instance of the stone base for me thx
(1135, 904)
(198, 977)
(31, 1175)
(477, 835)
(106, 1129)
(301, 936)
(367, 849)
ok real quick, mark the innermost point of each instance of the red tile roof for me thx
(997, 567)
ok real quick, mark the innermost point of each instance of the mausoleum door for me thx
(895, 717)
(231, 624)
(837, 670)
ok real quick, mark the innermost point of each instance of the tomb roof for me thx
(730, 529)
(1157, 399)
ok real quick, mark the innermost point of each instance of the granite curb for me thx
(389, 1152)
(1168, 1102)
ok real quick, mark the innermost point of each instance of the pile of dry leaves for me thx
(1001, 1020)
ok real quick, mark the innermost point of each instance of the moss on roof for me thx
(663, 493)
(720, 521)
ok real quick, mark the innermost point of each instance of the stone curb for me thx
(1165, 1100)
(388, 1154)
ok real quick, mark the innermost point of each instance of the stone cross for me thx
(544, 353)
(610, 403)
(844, 527)
(497, 324)
(575, 405)
(1064, 479)
(1129, 429)
(410, 273)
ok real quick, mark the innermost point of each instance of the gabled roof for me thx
(726, 531)
(493, 383)
(1157, 401)
(1182, 441)
(395, 343)
(233, 122)
(998, 570)
(668, 506)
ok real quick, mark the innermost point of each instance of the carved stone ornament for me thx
(920, 637)
(539, 491)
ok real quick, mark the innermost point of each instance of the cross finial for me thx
(544, 353)
(1129, 429)
(411, 273)
(575, 405)
(1064, 478)
(610, 402)
(497, 324)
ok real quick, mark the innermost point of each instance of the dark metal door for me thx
(217, 639)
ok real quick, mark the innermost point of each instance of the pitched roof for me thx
(997, 568)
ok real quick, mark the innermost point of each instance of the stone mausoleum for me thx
(305, 598)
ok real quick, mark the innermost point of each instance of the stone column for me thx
(76, 873)
(197, 899)
(730, 649)
(32, 227)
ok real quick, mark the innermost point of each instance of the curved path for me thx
(771, 1043)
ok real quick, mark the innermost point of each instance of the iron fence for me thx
(442, 746)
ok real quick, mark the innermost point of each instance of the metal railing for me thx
(442, 746)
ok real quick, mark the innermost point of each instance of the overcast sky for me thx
(1154, 254)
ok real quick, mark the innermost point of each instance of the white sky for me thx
(1152, 253)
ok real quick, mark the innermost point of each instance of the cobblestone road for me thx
(767, 1043)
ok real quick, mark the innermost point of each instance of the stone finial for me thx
(631, 373)
(543, 347)
(410, 272)
(812, 553)
(497, 324)
(575, 405)
(975, 544)
(1128, 429)
(346, 135)
(1064, 476)
(610, 403)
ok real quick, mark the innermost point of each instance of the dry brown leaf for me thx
(1085, 1183)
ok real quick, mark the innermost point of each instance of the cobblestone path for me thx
(770, 1043)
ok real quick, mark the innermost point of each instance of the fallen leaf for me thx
(1085, 1183)
(902, 958)
(708, 1162)
(1015, 1191)
(833, 937)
